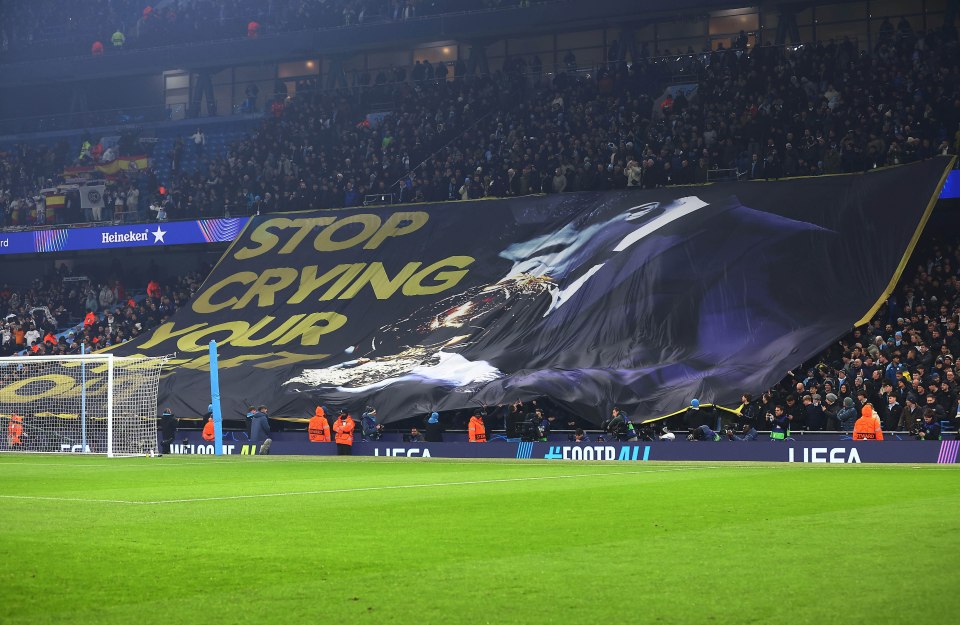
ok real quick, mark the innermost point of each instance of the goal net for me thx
(97, 403)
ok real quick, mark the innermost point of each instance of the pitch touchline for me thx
(351, 490)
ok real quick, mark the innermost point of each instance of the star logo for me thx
(158, 235)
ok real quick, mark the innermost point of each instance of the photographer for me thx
(579, 436)
(747, 433)
(619, 427)
(929, 428)
(372, 431)
(702, 433)
(779, 421)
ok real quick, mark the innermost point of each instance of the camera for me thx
(917, 429)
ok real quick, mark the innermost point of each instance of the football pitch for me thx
(186, 539)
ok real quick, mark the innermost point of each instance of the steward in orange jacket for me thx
(15, 430)
(477, 430)
(208, 432)
(343, 427)
(90, 319)
(867, 427)
(319, 429)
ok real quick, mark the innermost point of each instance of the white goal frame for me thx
(142, 375)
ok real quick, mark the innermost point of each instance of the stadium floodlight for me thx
(96, 403)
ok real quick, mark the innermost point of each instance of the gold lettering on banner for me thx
(376, 276)
(446, 279)
(315, 325)
(325, 239)
(267, 285)
(202, 303)
(397, 225)
(266, 237)
(199, 340)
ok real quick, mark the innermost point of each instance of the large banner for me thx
(641, 299)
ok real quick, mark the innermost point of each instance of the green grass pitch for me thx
(306, 540)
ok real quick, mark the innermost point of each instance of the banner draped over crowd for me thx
(641, 299)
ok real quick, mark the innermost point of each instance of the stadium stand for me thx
(417, 134)
(48, 29)
(770, 112)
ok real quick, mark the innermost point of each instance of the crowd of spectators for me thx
(903, 361)
(768, 112)
(60, 312)
(48, 28)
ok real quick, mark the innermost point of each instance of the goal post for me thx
(94, 403)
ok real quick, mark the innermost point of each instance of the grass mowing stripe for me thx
(351, 490)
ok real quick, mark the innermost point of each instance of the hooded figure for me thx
(867, 427)
(694, 417)
(434, 433)
(847, 415)
(319, 428)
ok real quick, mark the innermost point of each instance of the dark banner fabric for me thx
(640, 299)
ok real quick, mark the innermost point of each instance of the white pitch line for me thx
(36, 498)
(353, 490)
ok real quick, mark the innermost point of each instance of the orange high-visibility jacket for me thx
(477, 430)
(15, 430)
(867, 427)
(208, 432)
(344, 431)
(319, 429)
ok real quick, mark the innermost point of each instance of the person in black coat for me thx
(168, 430)
(434, 431)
